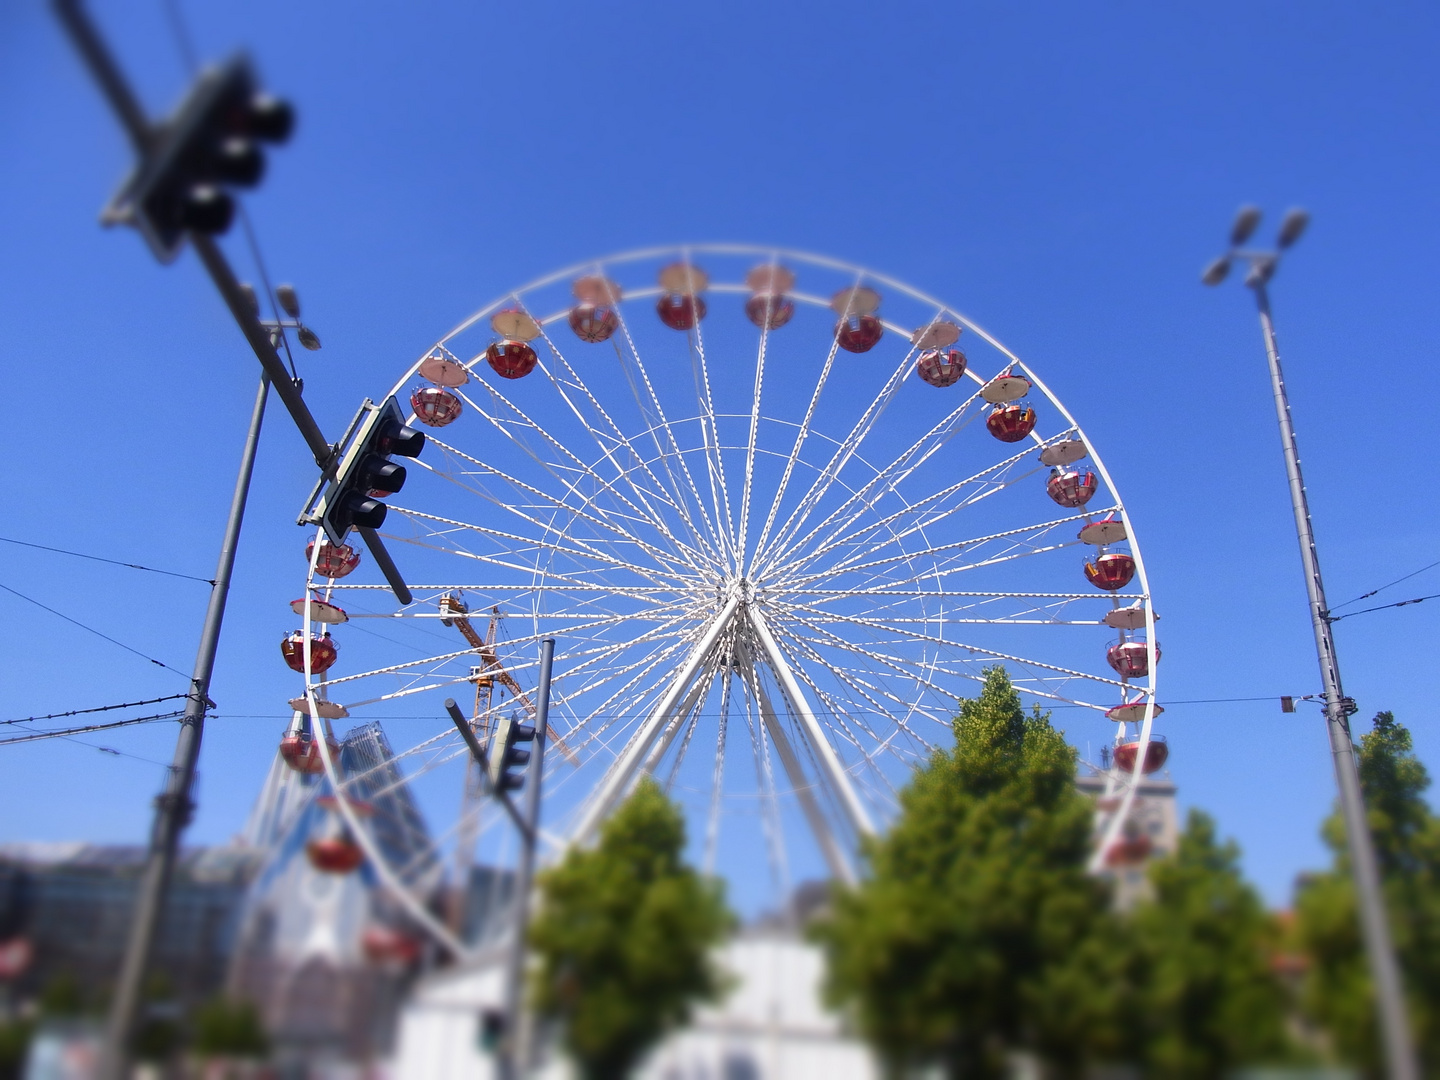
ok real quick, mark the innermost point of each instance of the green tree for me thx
(625, 935)
(1338, 992)
(976, 931)
(1206, 999)
(227, 1028)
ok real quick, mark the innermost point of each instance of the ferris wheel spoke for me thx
(556, 578)
(677, 496)
(743, 538)
(661, 560)
(770, 821)
(835, 855)
(942, 568)
(863, 685)
(662, 424)
(714, 464)
(604, 559)
(619, 775)
(801, 436)
(886, 631)
(624, 703)
(929, 511)
(579, 467)
(1037, 530)
(620, 525)
(889, 478)
(841, 457)
(605, 665)
(896, 711)
(717, 779)
(685, 718)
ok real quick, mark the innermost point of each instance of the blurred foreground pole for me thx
(1374, 925)
(514, 1058)
(174, 806)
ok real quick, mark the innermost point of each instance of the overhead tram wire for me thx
(98, 708)
(68, 733)
(1383, 607)
(112, 562)
(91, 629)
(1382, 588)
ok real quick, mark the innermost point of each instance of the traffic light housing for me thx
(366, 474)
(209, 144)
(504, 754)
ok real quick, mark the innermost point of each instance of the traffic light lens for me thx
(239, 161)
(207, 209)
(399, 439)
(271, 118)
(384, 477)
(365, 513)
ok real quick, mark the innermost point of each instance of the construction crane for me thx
(455, 612)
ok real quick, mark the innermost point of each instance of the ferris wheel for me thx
(779, 512)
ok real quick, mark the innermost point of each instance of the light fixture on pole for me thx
(1260, 266)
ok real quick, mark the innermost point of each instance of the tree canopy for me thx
(625, 936)
(1338, 992)
(1198, 953)
(965, 940)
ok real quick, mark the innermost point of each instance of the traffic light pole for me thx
(1384, 969)
(174, 806)
(514, 1044)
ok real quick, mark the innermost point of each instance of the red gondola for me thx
(334, 560)
(387, 946)
(593, 323)
(511, 359)
(301, 751)
(1071, 487)
(769, 310)
(681, 311)
(434, 406)
(1011, 423)
(1129, 850)
(335, 854)
(858, 333)
(1130, 659)
(1111, 571)
(941, 367)
(323, 652)
(1156, 754)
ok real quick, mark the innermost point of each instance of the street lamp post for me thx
(1374, 925)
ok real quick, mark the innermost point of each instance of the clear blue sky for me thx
(1058, 172)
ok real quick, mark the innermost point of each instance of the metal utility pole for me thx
(174, 195)
(1374, 925)
(173, 808)
(515, 1043)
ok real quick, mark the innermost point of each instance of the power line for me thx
(1372, 592)
(98, 708)
(67, 733)
(112, 562)
(1382, 607)
(92, 630)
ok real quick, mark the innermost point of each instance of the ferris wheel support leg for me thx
(825, 755)
(677, 722)
(835, 856)
(632, 757)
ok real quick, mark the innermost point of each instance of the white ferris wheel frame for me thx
(660, 725)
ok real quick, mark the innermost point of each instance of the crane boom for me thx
(491, 669)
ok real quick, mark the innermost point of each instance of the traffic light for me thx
(504, 754)
(209, 144)
(366, 474)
